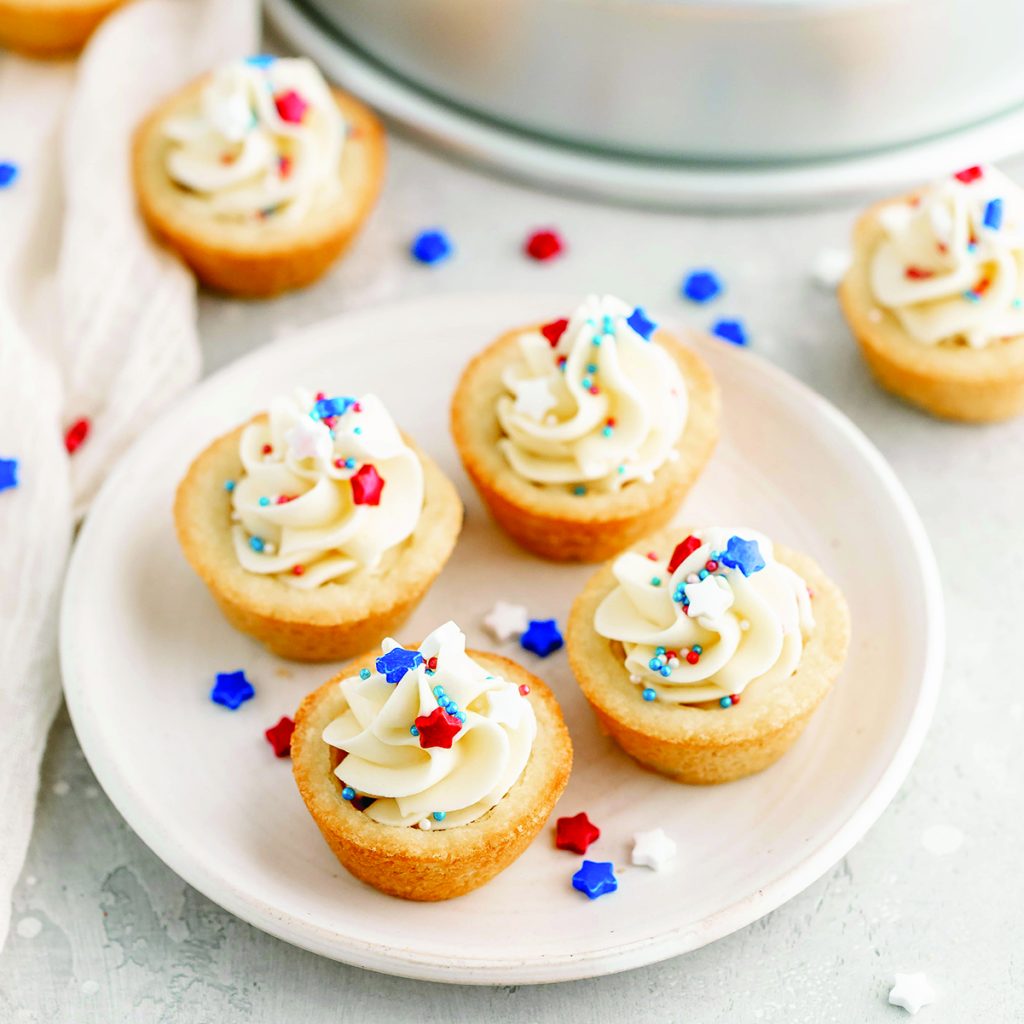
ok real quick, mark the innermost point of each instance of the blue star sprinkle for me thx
(542, 637)
(595, 878)
(397, 662)
(232, 689)
(641, 323)
(8, 474)
(744, 555)
(261, 60)
(993, 217)
(431, 246)
(8, 173)
(732, 331)
(701, 286)
(337, 406)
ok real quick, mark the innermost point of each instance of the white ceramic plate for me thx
(574, 169)
(142, 640)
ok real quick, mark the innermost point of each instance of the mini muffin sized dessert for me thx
(259, 175)
(582, 435)
(317, 527)
(935, 295)
(705, 657)
(50, 28)
(429, 770)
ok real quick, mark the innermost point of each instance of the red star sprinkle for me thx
(554, 330)
(367, 484)
(437, 729)
(543, 245)
(683, 551)
(969, 174)
(77, 433)
(291, 106)
(280, 736)
(576, 833)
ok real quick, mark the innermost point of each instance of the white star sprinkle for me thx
(830, 267)
(534, 398)
(911, 991)
(708, 598)
(653, 849)
(310, 439)
(505, 621)
(505, 706)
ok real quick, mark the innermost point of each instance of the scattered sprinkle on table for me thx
(506, 620)
(8, 173)
(576, 833)
(75, 435)
(232, 689)
(8, 474)
(702, 286)
(280, 736)
(544, 245)
(654, 849)
(732, 331)
(541, 637)
(911, 991)
(595, 878)
(431, 246)
(830, 267)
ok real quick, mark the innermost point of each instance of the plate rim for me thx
(487, 970)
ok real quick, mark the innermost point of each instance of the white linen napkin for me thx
(96, 322)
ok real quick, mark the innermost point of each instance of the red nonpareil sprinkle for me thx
(682, 552)
(594, 389)
(283, 499)
(524, 689)
(227, 158)
(543, 245)
(291, 107)
(267, 449)
(554, 330)
(280, 736)
(918, 273)
(735, 698)
(298, 570)
(711, 565)
(942, 247)
(432, 664)
(982, 286)
(969, 174)
(357, 407)
(76, 434)
(693, 657)
(652, 555)
(320, 396)
(284, 167)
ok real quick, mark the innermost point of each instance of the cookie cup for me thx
(952, 381)
(708, 744)
(263, 256)
(50, 28)
(431, 865)
(328, 623)
(557, 524)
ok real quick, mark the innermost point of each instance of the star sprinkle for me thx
(431, 246)
(576, 833)
(554, 330)
(309, 439)
(438, 729)
(732, 331)
(653, 849)
(830, 267)
(641, 323)
(291, 107)
(232, 689)
(8, 474)
(395, 663)
(280, 736)
(543, 245)
(505, 621)
(993, 216)
(75, 435)
(595, 878)
(969, 174)
(505, 706)
(325, 408)
(542, 637)
(8, 173)
(682, 552)
(744, 555)
(911, 991)
(701, 286)
(707, 598)
(534, 398)
(367, 485)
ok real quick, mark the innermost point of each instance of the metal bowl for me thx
(718, 80)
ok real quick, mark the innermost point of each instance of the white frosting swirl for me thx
(602, 407)
(298, 499)
(432, 786)
(267, 139)
(951, 266)
(740, 628)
